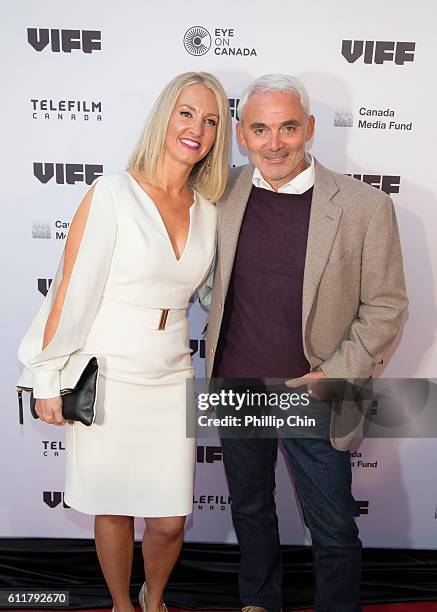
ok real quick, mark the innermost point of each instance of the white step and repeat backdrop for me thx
(78, 80)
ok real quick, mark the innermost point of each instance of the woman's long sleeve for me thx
(204, 291)
(82, 298)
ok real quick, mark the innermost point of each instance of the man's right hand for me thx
(50, 410)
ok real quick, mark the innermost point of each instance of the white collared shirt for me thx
(301, 183)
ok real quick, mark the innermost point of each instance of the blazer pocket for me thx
(344, 258)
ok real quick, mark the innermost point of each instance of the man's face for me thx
(274, 129)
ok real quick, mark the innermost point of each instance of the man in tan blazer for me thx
(308, 284)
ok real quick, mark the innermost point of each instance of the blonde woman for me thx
(139, 245)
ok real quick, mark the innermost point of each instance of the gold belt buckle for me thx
(163, 319)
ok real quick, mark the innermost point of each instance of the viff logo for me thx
(362, 508)
(43, 285)
(387, 183)
(64, 40)
(67, 173)
(209, 454)
(378, 51)
(54, 498)
(233, 105)
(197, 346)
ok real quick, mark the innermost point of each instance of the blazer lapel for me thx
(324, 221)
(230, 213)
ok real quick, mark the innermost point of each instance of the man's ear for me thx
(240, 135)
(310, 128)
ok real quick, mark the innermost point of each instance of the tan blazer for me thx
(354, 287)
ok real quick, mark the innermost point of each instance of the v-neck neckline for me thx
(164, 227)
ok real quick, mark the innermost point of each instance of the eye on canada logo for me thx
(198, 41)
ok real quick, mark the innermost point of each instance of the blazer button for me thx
(220, 306)
(211, 350)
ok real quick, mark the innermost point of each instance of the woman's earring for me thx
(208, 163)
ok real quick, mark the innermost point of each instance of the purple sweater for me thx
(261, 333)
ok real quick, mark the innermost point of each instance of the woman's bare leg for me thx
(161, 546)
(114, 537)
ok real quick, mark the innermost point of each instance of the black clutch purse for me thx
(79, 402)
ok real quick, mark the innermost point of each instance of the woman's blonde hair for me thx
(208, 177)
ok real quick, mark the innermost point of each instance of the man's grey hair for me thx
(274, 82)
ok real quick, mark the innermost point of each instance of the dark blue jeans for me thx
(323, 481)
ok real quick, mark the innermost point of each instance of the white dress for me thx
(135, 459)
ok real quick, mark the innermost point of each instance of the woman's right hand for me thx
(50, 410)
